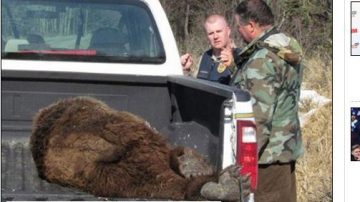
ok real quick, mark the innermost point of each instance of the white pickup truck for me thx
(122, 52)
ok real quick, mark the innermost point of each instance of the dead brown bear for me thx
(83, 143)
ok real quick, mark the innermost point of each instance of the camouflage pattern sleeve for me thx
(262, 80)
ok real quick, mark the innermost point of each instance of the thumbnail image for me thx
(355, 28)
(355, 133)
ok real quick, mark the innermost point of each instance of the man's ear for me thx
(252, 26)
(254, 29)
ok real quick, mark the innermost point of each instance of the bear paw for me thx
(190, 164)
(231, 186)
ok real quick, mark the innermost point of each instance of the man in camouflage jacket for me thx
(272, 72)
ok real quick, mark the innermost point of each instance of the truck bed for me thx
(185, 110)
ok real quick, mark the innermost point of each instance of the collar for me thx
(251, 47)
(215, 58)
(261, 37)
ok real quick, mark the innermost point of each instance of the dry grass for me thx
(314, 169)
(318, 75)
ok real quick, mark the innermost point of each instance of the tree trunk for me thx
(186, 25)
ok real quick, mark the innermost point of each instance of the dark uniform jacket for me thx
(211, 69)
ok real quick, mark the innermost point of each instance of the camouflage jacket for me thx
(272, 74)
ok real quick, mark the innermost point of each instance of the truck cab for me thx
(122, 52)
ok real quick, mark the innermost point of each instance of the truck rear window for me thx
(87, 30)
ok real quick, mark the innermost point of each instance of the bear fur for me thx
(82, 143)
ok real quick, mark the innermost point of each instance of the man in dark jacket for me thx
(217, 63)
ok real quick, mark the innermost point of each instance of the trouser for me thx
(276, 183)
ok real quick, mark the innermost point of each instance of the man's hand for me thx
(186, 62)
(226, 56)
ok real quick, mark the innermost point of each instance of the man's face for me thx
(243, 29)
(218, 34)
(356, 153)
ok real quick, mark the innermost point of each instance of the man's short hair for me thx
(255, 10)
(215, 17)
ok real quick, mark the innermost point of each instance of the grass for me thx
(314, 169)
(318, 75)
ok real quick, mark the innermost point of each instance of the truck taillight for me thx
(246, 151)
